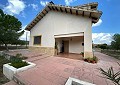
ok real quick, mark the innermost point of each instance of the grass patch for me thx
(3, 79)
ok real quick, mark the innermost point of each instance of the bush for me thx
(19, 55)
(82, 53)
(91, 60)
(17, 61)
(19, 64)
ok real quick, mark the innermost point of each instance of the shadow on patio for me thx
(70, 55)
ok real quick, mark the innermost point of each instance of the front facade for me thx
(65, 28)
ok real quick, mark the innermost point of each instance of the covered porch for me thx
(70, 45)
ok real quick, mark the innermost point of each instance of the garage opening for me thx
(70, 47)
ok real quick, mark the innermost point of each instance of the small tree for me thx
(9, 29)
(115, 44)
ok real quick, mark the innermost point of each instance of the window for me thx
(37, 40)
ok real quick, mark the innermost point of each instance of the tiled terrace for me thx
(56, 70)
(70, 55)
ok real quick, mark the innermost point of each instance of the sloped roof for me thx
(89, 10)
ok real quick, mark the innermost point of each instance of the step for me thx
(11, 83)
(19, 81)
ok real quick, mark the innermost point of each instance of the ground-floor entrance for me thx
(64, 47)
(70, 47)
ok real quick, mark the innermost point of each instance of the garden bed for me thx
(91, 60)
(17, 64)
(9, 70)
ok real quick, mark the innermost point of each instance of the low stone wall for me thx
(44, 50)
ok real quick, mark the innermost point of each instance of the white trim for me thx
(71, 80)
(69, 35)
(9, 70)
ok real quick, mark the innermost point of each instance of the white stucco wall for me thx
(56, 23)
(75, 46)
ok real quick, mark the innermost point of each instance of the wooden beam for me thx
(41, 16)
(90, 15)
(83, 13)
(56, 8)
(94, 18)
(33, 21)
(76, 12)
(61, 9)
(46, 11)
(43, 13)
(70, 11)
(37, 18)
(65, 10)
(49, 7)
(53, 8)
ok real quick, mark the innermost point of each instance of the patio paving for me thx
(56, 70)
(70, 55)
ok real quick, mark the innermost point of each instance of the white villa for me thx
(67, 27)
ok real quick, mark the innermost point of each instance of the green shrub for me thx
(19, 64)
(17, 61)
(82, 53)
(19, 55)
(91, 60)
(95, 58)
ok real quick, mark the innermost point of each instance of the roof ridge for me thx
(89, 9)
(88, 4)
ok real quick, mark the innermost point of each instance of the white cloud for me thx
(14, 7)
(34, 6)
(98, 23)
(101, 38)
(44, 3)
(26, 33)
(67, 2)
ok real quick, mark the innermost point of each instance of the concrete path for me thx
(56, 70)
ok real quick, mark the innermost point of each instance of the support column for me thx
(88, 43)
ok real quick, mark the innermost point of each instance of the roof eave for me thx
(94, 14)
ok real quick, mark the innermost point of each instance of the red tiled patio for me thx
(56, 70)
(70, 55)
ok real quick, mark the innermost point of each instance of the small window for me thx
(37, 40)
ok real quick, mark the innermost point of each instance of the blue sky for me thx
(26, 10)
